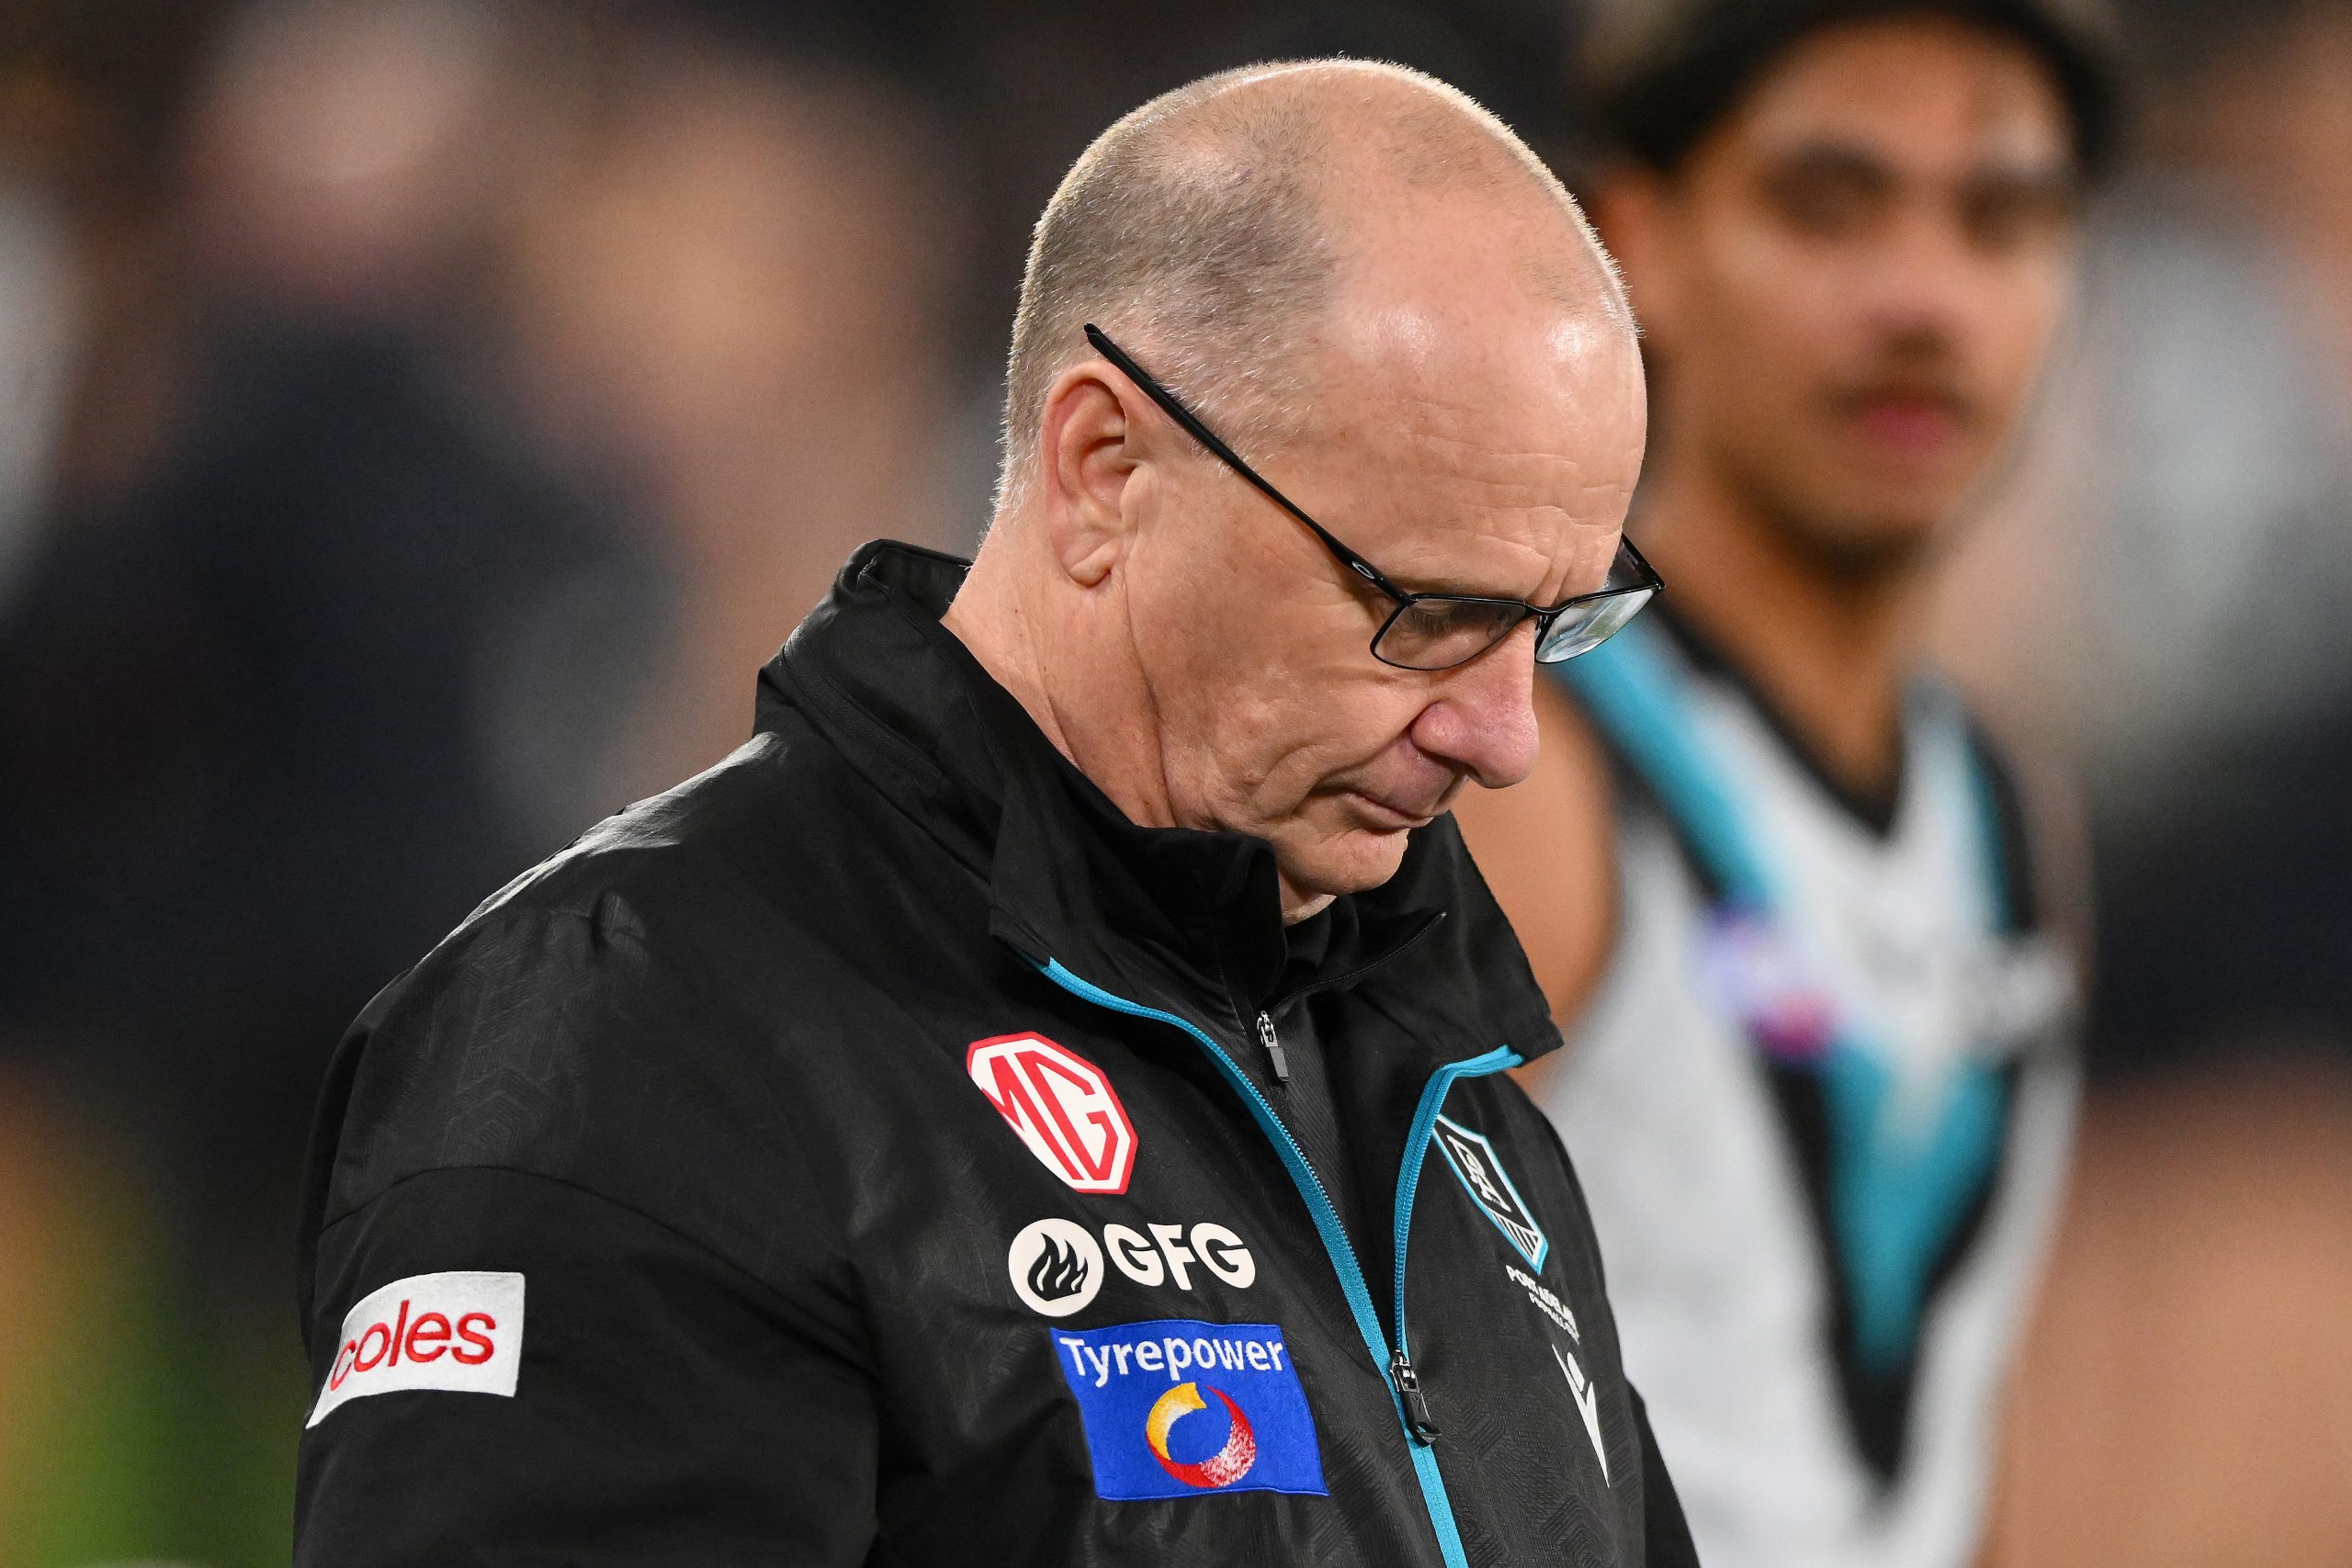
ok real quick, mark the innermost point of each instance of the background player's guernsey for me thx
(1821, 1106)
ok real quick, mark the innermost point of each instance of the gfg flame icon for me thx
(1056, 1267)
(1059, 1271)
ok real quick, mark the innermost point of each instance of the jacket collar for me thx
(1069, 877)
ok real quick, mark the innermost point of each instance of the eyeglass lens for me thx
(1584, 627)
(1438, 633)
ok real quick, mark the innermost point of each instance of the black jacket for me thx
(867, 1153)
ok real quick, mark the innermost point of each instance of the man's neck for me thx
(1827, 650)
(1075, 692)
(1024, 647)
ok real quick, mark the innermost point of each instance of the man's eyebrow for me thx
(1434, 587)
(2055, 181)
(1457, 588)
(1831, 155)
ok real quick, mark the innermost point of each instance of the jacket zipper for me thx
(1269, 1037)
(1273, 1044)
(1396, 1366)
(1418, 1422)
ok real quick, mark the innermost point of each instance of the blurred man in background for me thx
(1820, 1086)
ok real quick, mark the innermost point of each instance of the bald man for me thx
(1043, 1100)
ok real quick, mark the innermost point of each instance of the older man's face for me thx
(1458, 453)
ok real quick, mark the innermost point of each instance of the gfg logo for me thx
(1056, 1267)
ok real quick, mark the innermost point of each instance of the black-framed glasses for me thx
(1433, 631)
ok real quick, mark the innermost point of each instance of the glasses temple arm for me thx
(1191, 424)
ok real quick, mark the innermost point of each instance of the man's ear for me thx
(1637, 211)
(1086, 457)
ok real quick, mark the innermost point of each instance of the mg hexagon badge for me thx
(1062, 1106)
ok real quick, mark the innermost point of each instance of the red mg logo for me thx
(1061, 1104)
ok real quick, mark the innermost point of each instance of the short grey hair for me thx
(1193, 231)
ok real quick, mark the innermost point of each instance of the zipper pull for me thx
(1417, 1407)
(1273, 1044)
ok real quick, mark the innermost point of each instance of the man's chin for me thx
(1354, 862)
(1865, 551)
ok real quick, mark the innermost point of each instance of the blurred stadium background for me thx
(419, 417)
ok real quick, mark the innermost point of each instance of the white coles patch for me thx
(460, 1331)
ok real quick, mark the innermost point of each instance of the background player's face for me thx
(1464, 435)
(1850, 283)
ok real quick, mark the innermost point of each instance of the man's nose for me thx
(1924, 281)
(1483, 719)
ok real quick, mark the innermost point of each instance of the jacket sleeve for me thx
(660, 1405)
(1666, 1532)
(550, 1136)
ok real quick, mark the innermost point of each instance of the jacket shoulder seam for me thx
(703, 1248)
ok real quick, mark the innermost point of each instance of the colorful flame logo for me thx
(1223, 1468)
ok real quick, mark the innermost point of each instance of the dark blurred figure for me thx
(729, 290)
(2194, 517)
(89, 308)
(2227, 851)
(239, 690)
(2184, 1399)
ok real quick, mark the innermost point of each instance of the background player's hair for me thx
(1659, 74)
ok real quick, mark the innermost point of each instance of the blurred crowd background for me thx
(418, 419)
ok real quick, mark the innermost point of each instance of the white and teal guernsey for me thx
(1821, 1104)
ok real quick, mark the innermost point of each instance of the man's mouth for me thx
(1905, 419)
(1389, 816)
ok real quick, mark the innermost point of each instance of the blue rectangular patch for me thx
(1177, 1408)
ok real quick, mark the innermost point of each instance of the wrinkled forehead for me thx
(1483, 451)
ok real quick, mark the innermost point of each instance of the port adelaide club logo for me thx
(1473, 1159)
(1061, 1105)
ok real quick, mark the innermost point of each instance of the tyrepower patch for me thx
(1179, 1408)
(461, 1331)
